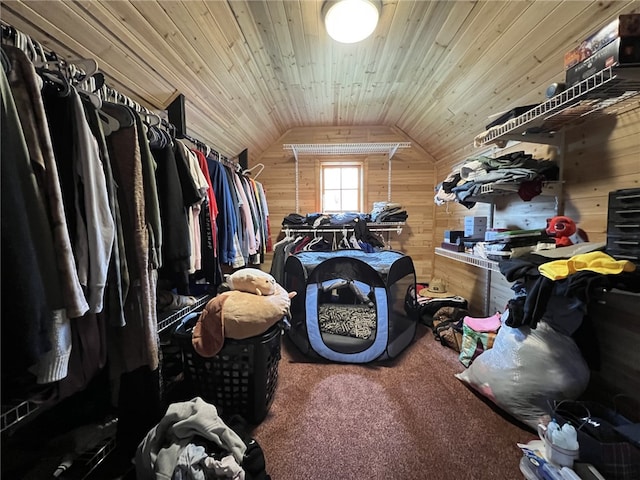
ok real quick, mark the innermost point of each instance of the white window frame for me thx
(339, 164)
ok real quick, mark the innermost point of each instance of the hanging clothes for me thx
(227, 214)
(26, 251)
(176, 247)
(26, 85)
(151, 203)
(118, 273)
(135, 344)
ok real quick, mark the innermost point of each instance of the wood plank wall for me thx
(412, 184)
(600, 155)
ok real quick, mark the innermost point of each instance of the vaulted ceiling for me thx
(251, 70)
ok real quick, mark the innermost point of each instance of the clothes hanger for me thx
(88, 66)
(150, 118)
(86, 86)
(109, 123)
(250, 170)
(57, 79)
(120, 109)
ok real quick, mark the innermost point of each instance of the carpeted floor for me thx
(406, 419)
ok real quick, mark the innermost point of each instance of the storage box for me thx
(241, 378)
(452, 247)
(622, 51)
(452, 236)
(474, 227)
(623, 225)
(621, 27)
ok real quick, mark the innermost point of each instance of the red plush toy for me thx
(565, 231)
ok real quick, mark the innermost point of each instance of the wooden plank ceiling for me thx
(251, 70)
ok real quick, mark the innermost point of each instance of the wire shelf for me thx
(490, 191)
(469, 259)
(90, 460)
(344, 148)
(169, 319)
(14, 414)
(605, 92)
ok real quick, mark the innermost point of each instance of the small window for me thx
(341, 187)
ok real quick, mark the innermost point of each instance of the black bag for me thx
(411, 306)
(254, 463)
(424, 311)
(615, 457)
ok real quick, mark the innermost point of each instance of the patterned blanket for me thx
(357, 321)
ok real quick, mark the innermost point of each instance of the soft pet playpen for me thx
(350, 305)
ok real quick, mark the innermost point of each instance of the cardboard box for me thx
(622, 51)
(623, 26)
(474, 227)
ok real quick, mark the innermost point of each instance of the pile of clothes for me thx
(384, 212)
(192, 441)
(517, 172)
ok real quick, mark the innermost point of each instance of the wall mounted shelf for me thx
(469, 259)
(168, 319)
(490, 191)
(16, 413)
(605, 92)
(389, 148)
(338, 149)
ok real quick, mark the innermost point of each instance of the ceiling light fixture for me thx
(350, 21)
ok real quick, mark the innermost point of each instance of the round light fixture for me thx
(350, 21)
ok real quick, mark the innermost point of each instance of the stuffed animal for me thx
(565, 231)
(252, 280)
(240, 314)
(245, 316)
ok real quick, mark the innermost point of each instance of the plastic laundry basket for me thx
(241, 378)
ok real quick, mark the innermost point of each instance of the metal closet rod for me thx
(371, 226)
(210, 151)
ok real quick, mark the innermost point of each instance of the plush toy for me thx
(240, 314)
(245, 316)
(565, 231)
(252, 280)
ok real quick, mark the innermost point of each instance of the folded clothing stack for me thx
(388, 212)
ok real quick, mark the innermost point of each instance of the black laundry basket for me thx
(241, 378)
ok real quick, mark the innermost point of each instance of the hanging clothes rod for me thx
(208, 151)
(373, 227)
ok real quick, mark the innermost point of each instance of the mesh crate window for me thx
(341, 187)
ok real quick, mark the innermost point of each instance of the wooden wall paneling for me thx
(127, 29)
(465, 280)
(200, 63)
(550, 38)
(513, 213)
(252, 20)
(601, 156)
(411, 25)
(461, 58)
(251, 70)
(500, 293)
(411, 173)
(41, 25)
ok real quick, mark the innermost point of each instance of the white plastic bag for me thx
(527, 369)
